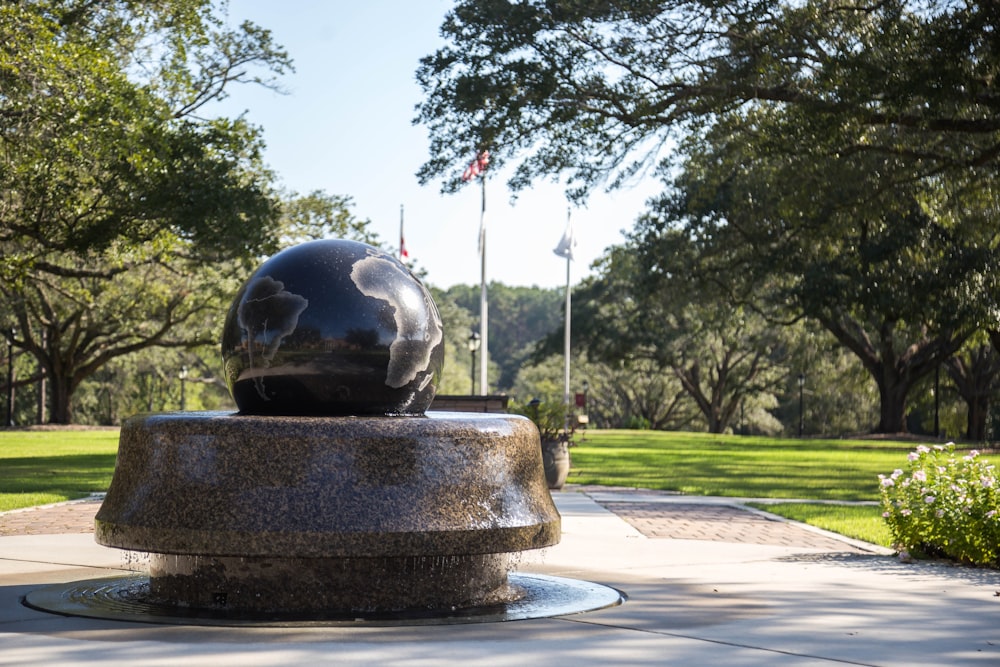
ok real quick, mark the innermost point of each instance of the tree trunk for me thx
(62, 401)
(976, 376)
(894, 364)
(979, 410)
(892, 416)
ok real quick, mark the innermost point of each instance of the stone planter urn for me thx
(555, 460)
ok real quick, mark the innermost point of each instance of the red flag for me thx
(403, 252)
(477, 166)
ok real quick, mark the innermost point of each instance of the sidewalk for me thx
(708, 583)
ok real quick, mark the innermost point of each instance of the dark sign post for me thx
(10, 377)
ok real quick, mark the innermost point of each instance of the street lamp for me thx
(937, 401)
(533, 404)
(586, 389)
(10, 377)
(474, 343)
(802, 384)
(183, 376)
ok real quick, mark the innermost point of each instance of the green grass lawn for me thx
(40, 467)
(735, 466)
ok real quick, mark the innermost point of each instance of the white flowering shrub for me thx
(944, 505)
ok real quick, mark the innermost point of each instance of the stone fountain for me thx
(332, 493)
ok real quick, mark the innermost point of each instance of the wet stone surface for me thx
(283, 513)
(720, 523)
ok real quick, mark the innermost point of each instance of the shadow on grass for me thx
(77, 473)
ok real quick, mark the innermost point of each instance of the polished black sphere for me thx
(333, 327)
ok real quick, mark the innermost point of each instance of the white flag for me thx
(568, 241)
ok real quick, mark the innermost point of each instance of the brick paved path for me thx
(721, 523)
(72, 517)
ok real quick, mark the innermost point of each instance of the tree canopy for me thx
(823, 160)
(598, 90)
(119, 196)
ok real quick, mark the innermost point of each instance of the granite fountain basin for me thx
(292, 514)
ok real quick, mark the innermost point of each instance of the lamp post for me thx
(533, 405)
(183, 377)
(937, 401)
(474, 342)
(10, 377)
(586, 390)
(802, 384)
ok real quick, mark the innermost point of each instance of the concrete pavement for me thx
(708, 583)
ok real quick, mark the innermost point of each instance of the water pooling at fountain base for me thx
(126, 598)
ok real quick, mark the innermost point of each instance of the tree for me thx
(719, 354)
(75, 325)
(824, 149)
(519, 316)
(976, 374)
(153, 380)
(98, 329)
(595, 90)
(319, 215)
(123, 208)
(639, 395)
(839, 396)
(901, 276)
(457, 321)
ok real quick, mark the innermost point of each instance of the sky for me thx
(344, 125)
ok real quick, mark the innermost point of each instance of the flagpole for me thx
(566, 336)
(477, 168)
(402, 247)
(483, 301)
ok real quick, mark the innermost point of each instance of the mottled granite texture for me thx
(368, 513)
(333, 327)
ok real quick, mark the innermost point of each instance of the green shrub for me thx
(636, 423)
(551, 419)
(944, 505)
